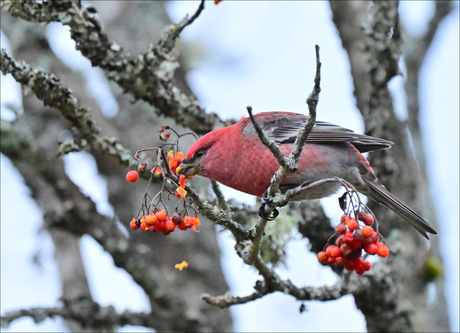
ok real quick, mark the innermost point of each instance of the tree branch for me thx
(49, 89)
(88, 313)
(147, 77)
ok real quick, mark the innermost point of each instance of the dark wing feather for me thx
(283, 127)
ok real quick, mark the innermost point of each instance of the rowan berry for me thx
(142, 167)
(367, 231)
(366, 218)
(322, 257)
(348, 237)
(345, 249)
(188, 221)
(196, 223)
(341, 229)
(344, 218)
(383, 250)
(170, 226)
(366, 265)
(134, 224)
(162, 215)
(332, 251)
(360, 270)
(352, 224)
(150, 219)
(132, 176)
(371, 248)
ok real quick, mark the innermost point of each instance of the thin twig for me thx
(186, 22)
(312, 102)
(270, 144)
(219, 196)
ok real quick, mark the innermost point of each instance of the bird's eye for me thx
(200, 153)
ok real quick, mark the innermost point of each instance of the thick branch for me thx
(147, 77)
(90, 314)
(50, 90)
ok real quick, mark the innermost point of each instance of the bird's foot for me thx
(268, 216)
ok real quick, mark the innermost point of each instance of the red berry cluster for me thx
(353, 239)
(159, 221)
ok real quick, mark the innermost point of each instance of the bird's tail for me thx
(380, 194)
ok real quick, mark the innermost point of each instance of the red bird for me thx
(235, 156)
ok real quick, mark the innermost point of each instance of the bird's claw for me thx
(269, 217)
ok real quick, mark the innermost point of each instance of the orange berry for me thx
(162, 215)
(133, 224)
(150, 219)
(352, 224)
(179, 157)
(144, 226)
(160, 226)
(173, 165)
(340, 261)
(332, 251)
(375, 236)
(341, 229)
(366, 218)
(344, 218)
(348, 237)
(156, 171)
(170, 226)
(371, 249)
(383, 251)
(132, 176)
(366, 265)
(367, 231)
(322, 257)
(196, 223)
(188, 221)
(331, 260)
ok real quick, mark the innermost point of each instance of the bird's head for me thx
(195, 162)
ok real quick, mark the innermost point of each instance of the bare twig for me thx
(220, 197)
(288, 165)
(312, 101)
(270, 144)
(187, 21)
